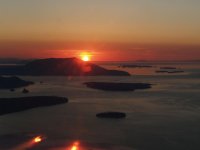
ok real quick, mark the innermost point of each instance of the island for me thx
(113, 115)
(171, 71)
(168, 68)
(161, 71)
(60, 67)
(13, 82)
(11, 105)
(112, 86)
(135, 66)
(176, 71)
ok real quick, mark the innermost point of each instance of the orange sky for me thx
(110, 30)
(100, 51)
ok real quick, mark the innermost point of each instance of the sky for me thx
(108, 29)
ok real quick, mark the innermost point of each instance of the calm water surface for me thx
(166, 117)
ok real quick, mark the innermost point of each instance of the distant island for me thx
(11, 105)
(165, 71)
(135, 66)
(60, 67)
(112, 86)
(169, 70)
(13, 82)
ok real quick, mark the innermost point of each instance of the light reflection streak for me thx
(75, 146)
(28, 144)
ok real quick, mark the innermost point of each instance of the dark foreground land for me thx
(111, 86)
(10, 105)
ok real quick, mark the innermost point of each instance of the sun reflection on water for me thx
(75, 146)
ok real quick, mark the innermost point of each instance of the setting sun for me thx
(85, 56)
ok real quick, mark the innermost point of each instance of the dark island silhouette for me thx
(11, 105)
(60, 67)
(169, 70)
(112, 86)
(135, 66)
(13, 82)
(165, 71)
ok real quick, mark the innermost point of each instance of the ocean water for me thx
(165, 117)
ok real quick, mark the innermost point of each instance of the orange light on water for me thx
(29, 144)
(37, 139)
(75, 146)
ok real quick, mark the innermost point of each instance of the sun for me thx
(85, 56)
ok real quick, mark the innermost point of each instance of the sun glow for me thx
(85, 56)
(75, 146)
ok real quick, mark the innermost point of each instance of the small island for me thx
(13, 82)
(161, 71)
(111, 86)
(176, 71)
(168, 68)
(135, 66)
(11, 105)
(167, 71)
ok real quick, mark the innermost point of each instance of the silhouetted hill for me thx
(60, 67)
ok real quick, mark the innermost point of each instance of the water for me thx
(165, 117)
